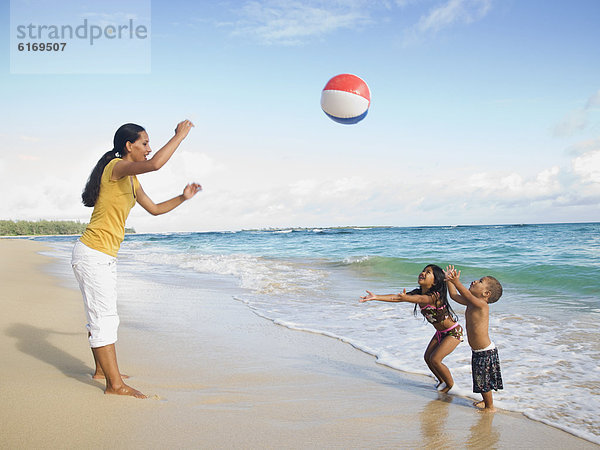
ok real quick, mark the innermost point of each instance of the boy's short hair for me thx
(494, 287)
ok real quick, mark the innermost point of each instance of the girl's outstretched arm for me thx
(402, 297)
(168, 205)
(381, 298)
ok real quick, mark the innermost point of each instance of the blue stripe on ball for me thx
(347, 120)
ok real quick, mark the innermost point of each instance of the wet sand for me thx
(248, 384)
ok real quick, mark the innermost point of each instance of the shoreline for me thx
(249, 382)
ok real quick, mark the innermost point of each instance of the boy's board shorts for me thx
(96, 273)
(485, 365)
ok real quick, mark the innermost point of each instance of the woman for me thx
(113, 189)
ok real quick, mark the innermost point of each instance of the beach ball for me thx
(346, 99)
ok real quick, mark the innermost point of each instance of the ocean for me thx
(545, 325)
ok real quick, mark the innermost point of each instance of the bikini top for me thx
(434, 314)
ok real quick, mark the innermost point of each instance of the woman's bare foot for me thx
(125, 390)
(100, 376)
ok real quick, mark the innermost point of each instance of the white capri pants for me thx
(96, 273)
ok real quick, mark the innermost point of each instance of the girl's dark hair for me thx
(130, 132)
(439, 286)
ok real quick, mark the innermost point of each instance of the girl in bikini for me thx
(431, 299)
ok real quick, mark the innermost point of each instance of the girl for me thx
(113, 189)
(431, 298)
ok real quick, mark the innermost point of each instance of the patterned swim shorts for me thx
(485, 366)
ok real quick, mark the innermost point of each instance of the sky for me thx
(482, 112)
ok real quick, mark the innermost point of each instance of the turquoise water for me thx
(545, 325)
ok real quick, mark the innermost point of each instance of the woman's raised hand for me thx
(183, 128)
(190, 190)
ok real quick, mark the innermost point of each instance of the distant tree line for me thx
(39, 227)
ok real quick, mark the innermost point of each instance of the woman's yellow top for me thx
(106, 229)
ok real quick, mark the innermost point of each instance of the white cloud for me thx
(573, 122)
(28, 157)
(593, 101)
(578, 119)
(445, 196)
(587, 166)
(452, 12)
(290, 22)
(403, 3)
(51, 197)
(584, 146)
(183, 168)
(513, 185)
(29, 138)
(455, 197)
(251, 194)
(303, 188)
(446, 15)
(293, 22)
(480, 198)
(193, 165)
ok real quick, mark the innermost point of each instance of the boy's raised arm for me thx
(463, 296)
(454, 295)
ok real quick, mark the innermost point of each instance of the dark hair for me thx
(130, 132)
(439, 286)
(494, 287)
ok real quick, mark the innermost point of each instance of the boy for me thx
(485, 363)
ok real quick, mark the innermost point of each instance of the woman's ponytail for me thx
(92, 187)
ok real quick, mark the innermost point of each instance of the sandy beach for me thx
(250, 384)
